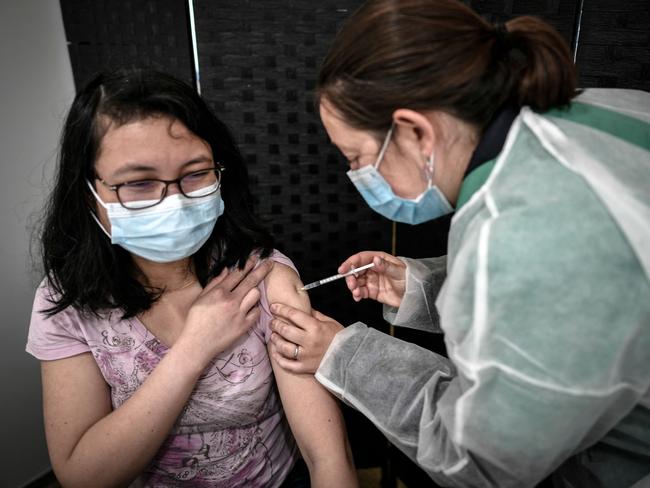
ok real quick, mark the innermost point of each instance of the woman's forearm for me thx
(334, 472)
(117, 448)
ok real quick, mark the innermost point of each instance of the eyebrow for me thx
(134, 166)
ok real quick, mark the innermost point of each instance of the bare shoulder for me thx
(282, 286)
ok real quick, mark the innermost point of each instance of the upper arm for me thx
(321, 434)
(75, 397)
(282, 285)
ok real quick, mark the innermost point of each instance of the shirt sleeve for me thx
(263, 327)
(424, 278)
(54, 337)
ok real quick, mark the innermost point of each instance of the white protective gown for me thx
(545, 311)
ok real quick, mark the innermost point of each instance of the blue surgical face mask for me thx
(172, 230)
(377, 193)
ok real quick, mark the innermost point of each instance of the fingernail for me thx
(274, 307)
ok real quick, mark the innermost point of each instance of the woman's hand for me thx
(225, 310)
(385, 282)
(300, 340)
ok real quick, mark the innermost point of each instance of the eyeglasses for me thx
(141, 194)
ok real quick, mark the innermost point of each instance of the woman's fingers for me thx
(320, 316)
(360, 280)
(292, 315)
(226, 309)
(284, 347)
(380, 264)
(359, 294)
(216, 281)
(384, 282)
(229, 278)
(237, 275)
(288, 364)
(358, 285)
(288, 331)
(238, 282)
(351, 282)
(253, 315)
(356, 260)
(359, 259)
(253, 278)
(250, 300)
(308, 335)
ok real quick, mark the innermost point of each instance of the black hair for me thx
(82, 267)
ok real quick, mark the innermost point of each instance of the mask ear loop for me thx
(92, 212)
(384, 146)
(97, 197)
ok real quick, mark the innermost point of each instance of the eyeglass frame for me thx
(218, 169)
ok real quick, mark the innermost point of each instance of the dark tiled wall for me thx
(105, 34)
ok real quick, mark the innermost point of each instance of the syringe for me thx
(335, 277)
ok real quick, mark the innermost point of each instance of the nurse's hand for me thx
(300, 340)
(385, 282)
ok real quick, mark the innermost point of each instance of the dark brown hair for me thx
(439, 54)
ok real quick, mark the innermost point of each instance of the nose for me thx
(173, 188)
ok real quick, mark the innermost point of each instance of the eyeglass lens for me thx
(146, 193)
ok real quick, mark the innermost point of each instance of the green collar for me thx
(473, 182)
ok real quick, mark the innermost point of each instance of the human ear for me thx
(418, 126)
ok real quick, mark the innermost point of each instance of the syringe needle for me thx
(335, 277)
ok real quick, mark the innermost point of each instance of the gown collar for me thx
(484, 156)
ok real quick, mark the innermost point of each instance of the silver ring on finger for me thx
(296, 351)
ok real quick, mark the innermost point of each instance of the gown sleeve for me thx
(401, 397)
(549, 353)
(424, 277)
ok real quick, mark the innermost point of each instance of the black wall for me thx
(105, 34)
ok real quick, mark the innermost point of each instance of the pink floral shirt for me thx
(232, 431)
